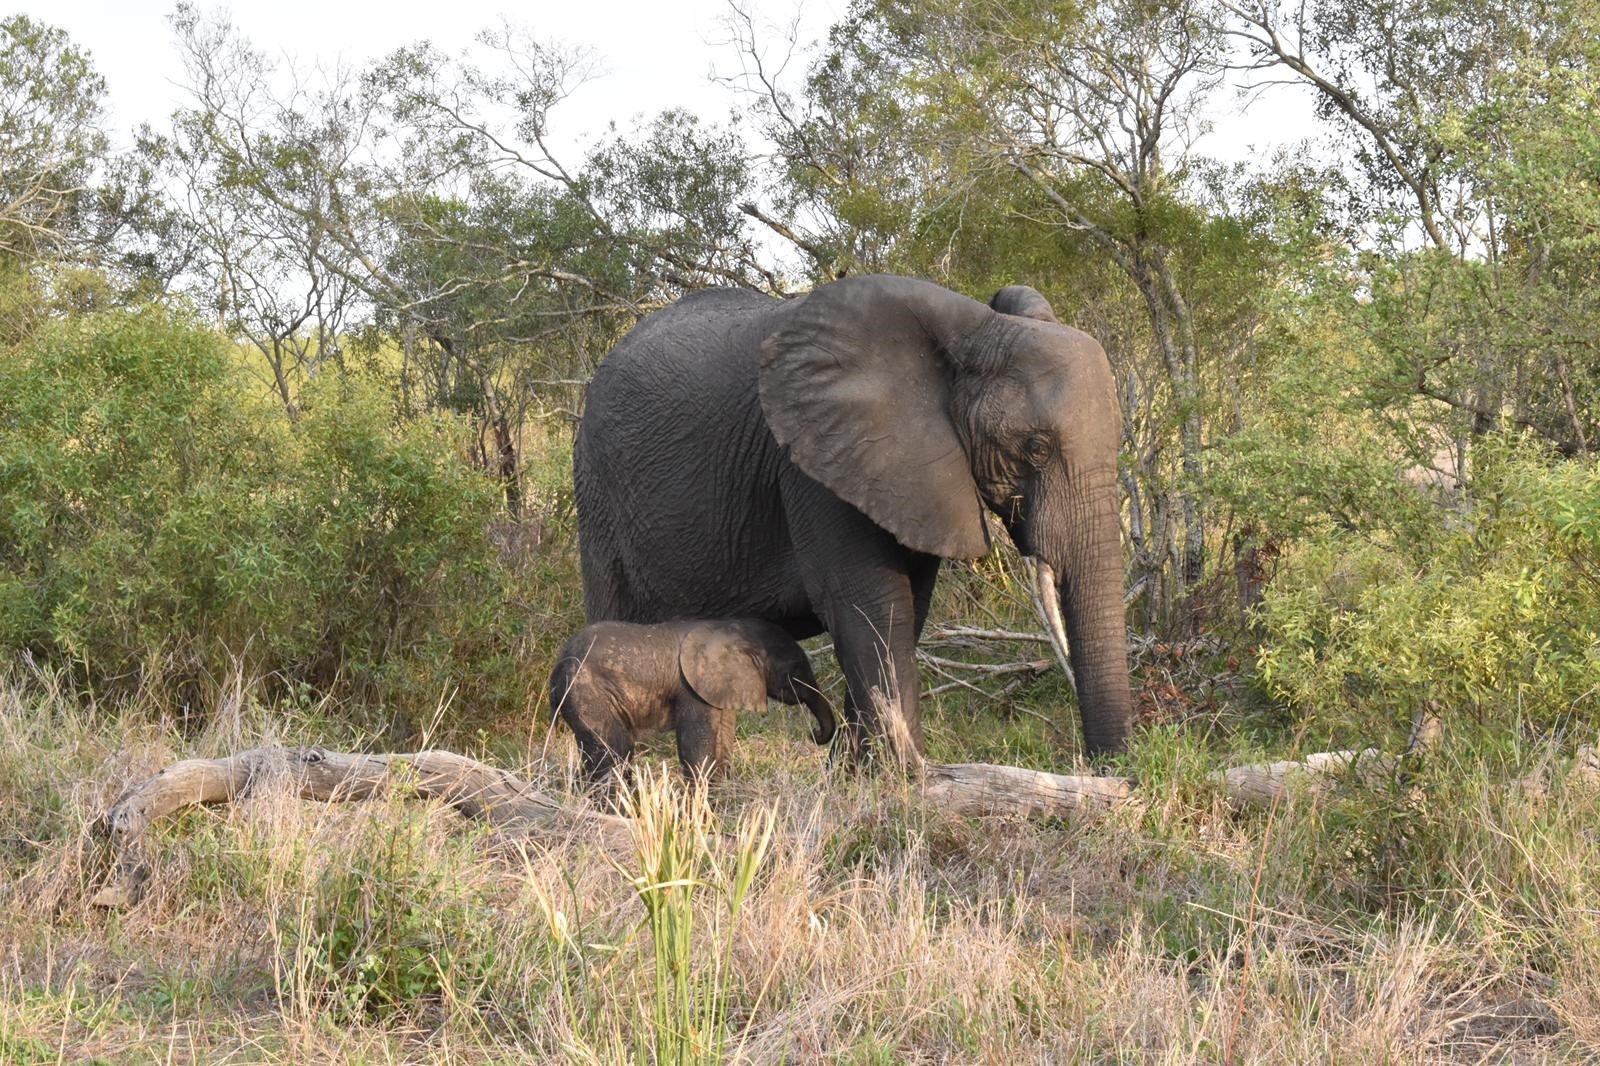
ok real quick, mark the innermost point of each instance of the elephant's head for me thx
(920, 407)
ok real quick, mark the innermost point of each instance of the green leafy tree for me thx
(1452, 114)
(424, 188)
(50, 140)
(65, 196)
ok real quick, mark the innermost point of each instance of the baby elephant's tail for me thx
(562, 678)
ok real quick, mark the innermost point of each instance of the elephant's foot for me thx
(858, 750)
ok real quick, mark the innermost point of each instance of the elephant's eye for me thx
(1037, 449)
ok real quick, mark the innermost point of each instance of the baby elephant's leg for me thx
(705, 736)
(602, 750)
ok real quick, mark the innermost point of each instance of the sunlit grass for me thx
(791, 915)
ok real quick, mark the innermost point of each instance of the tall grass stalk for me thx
(681, 856)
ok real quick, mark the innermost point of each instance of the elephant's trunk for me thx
(1081, 598)
(822, 711)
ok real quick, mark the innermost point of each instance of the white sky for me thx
(651, 54)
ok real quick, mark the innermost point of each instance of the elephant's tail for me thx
(562, 679)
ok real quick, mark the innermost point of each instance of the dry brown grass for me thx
(875, 931)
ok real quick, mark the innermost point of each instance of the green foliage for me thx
(50, 100)
(1312, 452)
(396, 554)
(1497, 620)
(128, 483)
(395, 928)
(25, 1050)
(23, 304)
(162, 521)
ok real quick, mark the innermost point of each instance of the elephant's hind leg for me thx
(602, 751)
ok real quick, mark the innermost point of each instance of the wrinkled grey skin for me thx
(809, 462)
(614, 681)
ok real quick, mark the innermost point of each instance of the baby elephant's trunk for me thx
(821, 710)
(791, 680)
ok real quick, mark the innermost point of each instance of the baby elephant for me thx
(616, 680)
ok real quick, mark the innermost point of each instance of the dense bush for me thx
(1497, 619)
(162, 522)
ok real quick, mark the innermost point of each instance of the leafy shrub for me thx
(139, 492)
(397, 928)
(395, 543)
(163, 522)
(1497, 619)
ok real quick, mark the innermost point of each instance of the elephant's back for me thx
(676, 470)
(678, 379)
(623, 650)
(685, 348)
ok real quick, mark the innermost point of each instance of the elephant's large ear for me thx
(722, 668)
(856, 384)
(1023, 301)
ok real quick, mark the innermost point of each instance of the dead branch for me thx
(1035, 666)
(478, 791)
(518, 810)
(998, 694)
(963, 634)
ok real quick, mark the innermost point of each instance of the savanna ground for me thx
(1451, 919)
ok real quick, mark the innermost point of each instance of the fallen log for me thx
(1583, 774)
(986, 788)
(513, 806)
(478, 791)
(502, 799)
(518, 809)
(1263, 784)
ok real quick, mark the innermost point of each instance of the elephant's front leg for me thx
(872, 594)
(876, 648)
(705, 737)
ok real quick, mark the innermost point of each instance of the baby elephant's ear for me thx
(723, 669)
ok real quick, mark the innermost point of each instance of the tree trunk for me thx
(1173, 329)
(506, 456)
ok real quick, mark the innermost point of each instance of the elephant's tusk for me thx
(1047, 598)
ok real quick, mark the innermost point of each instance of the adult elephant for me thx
(810, 461)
